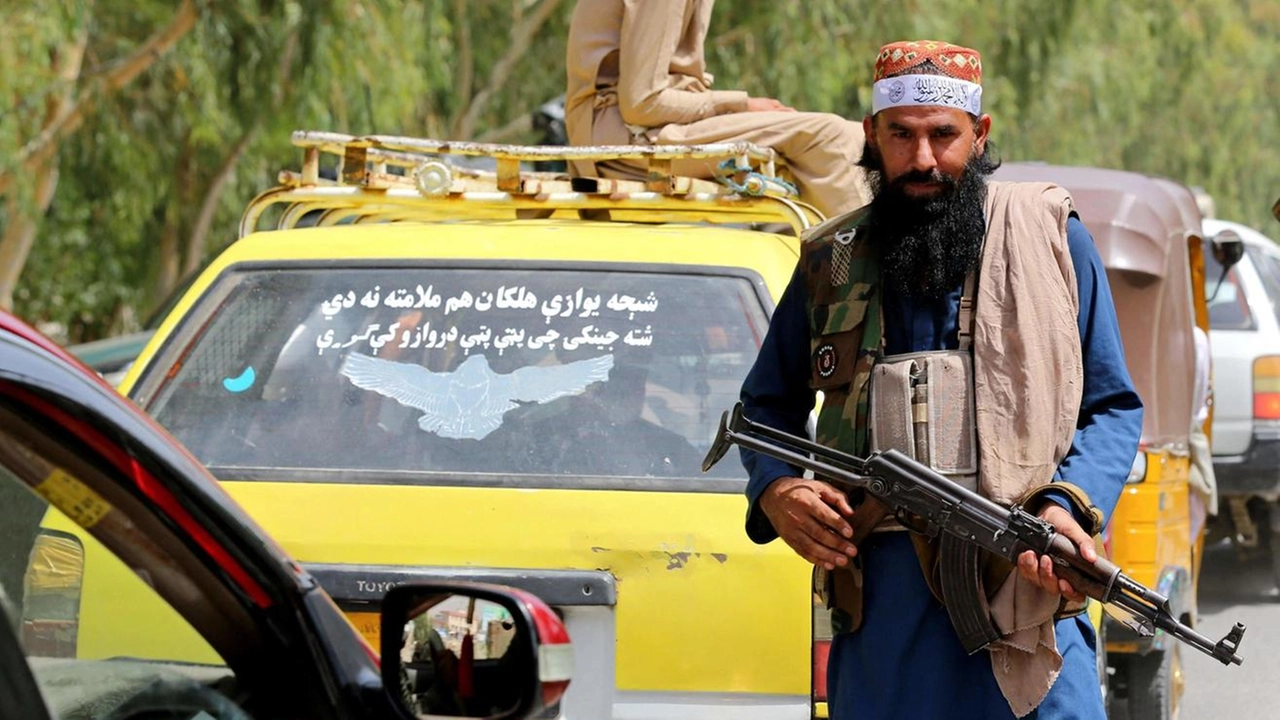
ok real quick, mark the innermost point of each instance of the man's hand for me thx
(809, 515)
(1040, 570)
(759, 104)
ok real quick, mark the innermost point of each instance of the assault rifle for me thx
(966, 524)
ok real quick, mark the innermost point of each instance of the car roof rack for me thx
(381, 178)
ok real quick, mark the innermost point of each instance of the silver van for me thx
(1244, 320)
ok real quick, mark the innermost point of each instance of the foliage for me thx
(152, 180)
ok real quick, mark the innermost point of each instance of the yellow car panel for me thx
(668, 550)
(1150, 529)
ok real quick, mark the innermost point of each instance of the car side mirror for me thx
(1228, 248)
(472, 650)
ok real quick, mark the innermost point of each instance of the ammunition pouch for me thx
(922, 404)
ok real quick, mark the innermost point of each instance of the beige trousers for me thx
(821, 150)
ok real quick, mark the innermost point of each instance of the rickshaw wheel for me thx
(1104, 680)
(1155, 684)
(1273, 547)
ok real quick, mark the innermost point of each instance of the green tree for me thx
(136, 130)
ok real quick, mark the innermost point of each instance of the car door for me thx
(22, 700)
(1234, 338)
(50, 508)
(43, 560)
(108, 526)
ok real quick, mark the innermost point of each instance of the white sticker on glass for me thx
(470, 401)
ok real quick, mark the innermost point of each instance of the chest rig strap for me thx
(960, 564)
(966, 317)
(923, 404)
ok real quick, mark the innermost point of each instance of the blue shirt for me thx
(776, 391)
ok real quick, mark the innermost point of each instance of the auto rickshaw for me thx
(1148, 233)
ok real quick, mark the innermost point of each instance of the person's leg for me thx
(906, 662)
(821, 151)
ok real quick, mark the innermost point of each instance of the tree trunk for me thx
(198, 240)
(194, 255)
(520, 125)
(465, 77)
(20, 233)
(117, 75)
(169, 253)
(42, 168)
(521, 37)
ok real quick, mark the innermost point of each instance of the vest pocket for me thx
(837, 335)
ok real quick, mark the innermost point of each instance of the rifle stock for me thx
(928, 502)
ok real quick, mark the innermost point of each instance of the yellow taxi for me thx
(416, 370)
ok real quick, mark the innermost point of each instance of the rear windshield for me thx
(515, 373)
(1269, 272)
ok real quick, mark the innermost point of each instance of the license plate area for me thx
(594, 636)
(369, 624)
(585, 599)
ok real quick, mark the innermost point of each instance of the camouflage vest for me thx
(842, 277)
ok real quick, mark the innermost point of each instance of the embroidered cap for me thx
(954, 61)
(959, 85)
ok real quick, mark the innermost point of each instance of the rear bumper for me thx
(1256, 472)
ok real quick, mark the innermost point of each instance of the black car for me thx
(93, 491)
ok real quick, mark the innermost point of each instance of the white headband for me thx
(940, 90)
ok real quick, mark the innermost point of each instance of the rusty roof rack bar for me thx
(340, 144)
(433, 184)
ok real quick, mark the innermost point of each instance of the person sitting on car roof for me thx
(637, 75)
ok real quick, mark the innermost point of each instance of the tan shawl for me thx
(1028, 378)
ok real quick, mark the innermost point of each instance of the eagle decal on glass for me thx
(470, 401)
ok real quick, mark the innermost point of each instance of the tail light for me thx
(1266, 388)
(555, 651)
(555, 667)
(821, 651)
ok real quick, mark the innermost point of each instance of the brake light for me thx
(1266, 388)
(821, 655)
(821, 652)
(555, 666)
(555, 651)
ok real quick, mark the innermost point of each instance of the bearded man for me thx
(967, 323)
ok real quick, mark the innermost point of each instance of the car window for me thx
(81, 614)
(557, 372)
(1228, 306)
(1269, 270)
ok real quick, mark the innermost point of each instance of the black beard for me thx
(927, 245)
